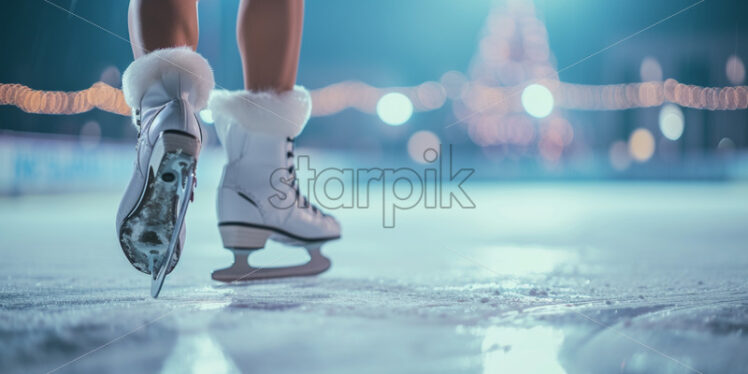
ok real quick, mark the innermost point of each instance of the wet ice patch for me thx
(520, 350)
(524, 260)
(198, 353)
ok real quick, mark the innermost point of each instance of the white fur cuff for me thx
(196, 76)
(283, 114)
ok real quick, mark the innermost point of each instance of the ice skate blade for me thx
(241, 271)
(184, 199)
(149, 235)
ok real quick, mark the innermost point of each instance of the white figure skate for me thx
(165, 88)
(257, 132)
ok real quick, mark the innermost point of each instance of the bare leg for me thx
(166, 87)
(156, 24)
(268, 33)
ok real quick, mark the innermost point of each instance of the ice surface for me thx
(538, 278)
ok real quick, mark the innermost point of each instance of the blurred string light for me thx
(336, 98)
(454, 83)
(100, 95)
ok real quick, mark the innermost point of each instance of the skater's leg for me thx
(268, 33)
(257, 127)
(166, 85)
(158, 24)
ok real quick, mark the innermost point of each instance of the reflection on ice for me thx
(198, 354)
(524, 260)
(518, 350)
(205, 305)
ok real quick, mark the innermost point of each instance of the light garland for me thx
(100, 95)
(425, 97)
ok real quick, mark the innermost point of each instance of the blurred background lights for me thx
(725, 145)
(453, 82)
(512, 51)
(735, 70)
(619, 155)
(431, 95)
(641, 145)
(421, 142)
(90, 135)
(537, 100)
(206, 116)
(394, 108)
(671, 121)
(111, 76)
(650, 70)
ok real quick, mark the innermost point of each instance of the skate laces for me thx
(294, 182)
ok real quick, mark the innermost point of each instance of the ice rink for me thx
(604, 145)
(538, 278)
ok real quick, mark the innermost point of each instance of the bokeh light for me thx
(431, 95)
(90, 135)
(671, 121)
(394, 108)
(453, 82)
(650, 70)
(619, 155)
(641, 145)
(726, 145)
(537, 100)
(111, 76)
(423, 146)
(735, 70)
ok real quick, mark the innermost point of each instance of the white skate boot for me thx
(258, 198)
(165, 88)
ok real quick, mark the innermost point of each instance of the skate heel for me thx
(180, 142)
(242, 237)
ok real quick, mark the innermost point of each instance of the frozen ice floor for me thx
(539, 278)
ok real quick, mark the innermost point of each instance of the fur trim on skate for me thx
(283, 114)
(148, 69)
